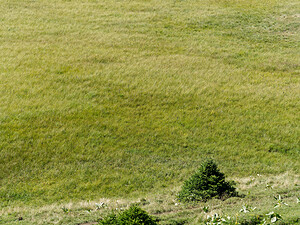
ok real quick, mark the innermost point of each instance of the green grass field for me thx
(123, 99)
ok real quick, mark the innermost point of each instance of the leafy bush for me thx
(132, 216)
(110, 220)
(208, 182)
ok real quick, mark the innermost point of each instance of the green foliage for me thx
(132, 216)
(208, 182)
(205, 209)
(110, 220)
(279, 202)
(216, 220)
(254, 220)
(270, 218)
(274, 217)
(65, 210)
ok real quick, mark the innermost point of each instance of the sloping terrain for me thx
(124, 99)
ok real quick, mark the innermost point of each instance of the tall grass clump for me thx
(208, 182)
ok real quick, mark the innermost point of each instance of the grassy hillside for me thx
(123, 99)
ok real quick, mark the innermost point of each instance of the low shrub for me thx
(132, 216)
(208, 182)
